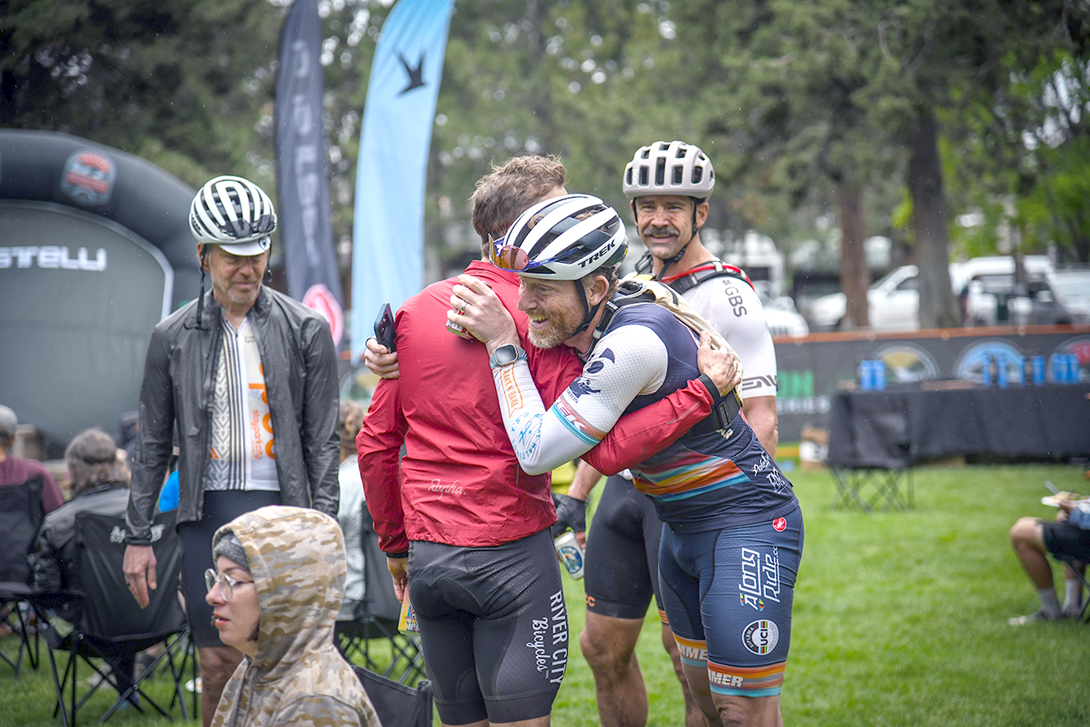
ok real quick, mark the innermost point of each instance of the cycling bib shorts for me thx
(623, 552)
(729, 594)
(493, 627)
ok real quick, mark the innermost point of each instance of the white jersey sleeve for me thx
(626, 363)
(735, 310)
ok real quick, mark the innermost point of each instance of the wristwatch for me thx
(506, 355)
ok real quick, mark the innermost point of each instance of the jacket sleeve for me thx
(649, 430)
(153, 440)
(378, 447)
(321, 402)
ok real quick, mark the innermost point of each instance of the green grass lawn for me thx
(900, 619)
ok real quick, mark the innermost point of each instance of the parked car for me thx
(894, 304)
(978, 283)
(782, 318)
(1066, 300)
(989, 296)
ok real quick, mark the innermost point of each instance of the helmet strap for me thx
(200, 298)
(588, 312)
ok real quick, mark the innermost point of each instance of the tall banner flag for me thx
(388, 231)
(310, 259)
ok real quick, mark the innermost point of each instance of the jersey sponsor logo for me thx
(761, 637)
(692, 650)
(581, 386)
(452, 489)
(725, 680)
(760, 578)
(734, 297)
(511, 391)
(779, 524)
(550, 640)
(759, 382)
(765, 469)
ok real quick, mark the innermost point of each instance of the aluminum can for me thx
(1038, 365)
(459, 330)
(879, 374)
(570, 554)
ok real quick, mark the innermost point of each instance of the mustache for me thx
(660, 230)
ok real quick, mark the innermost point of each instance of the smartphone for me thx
(384, 328)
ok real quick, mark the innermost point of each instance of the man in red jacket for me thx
(481, 572)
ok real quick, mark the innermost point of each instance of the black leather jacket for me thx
(300, 365)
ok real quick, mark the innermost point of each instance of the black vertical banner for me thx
(310, 260)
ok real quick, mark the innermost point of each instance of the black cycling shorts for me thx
(1066, 541)
(493, 626)
(622, 559)
(220, 508)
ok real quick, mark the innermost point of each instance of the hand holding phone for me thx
(384, 328)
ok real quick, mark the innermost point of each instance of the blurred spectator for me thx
(16, 470)
(1067, 539)
(350, 512)
(100, 484)
(127, 429)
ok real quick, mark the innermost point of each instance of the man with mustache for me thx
(668, 184)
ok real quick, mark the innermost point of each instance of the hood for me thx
(297, 561)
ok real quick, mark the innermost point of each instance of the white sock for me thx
(1049, 605)
(1072, 593)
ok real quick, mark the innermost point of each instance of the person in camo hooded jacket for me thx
(275, 591)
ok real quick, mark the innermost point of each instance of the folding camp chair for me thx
(397, 705)
(21, 516)
(1080, 574)
(376, 618)
(111, 628)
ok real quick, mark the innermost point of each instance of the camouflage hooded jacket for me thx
(297, 676)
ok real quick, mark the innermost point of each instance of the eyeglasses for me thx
(227, 583)
(509, 257)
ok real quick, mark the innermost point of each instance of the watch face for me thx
(505, 355)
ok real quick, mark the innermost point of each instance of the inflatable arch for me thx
(95, 250)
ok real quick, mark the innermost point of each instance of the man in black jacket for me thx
(237, 370)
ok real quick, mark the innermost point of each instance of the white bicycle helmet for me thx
(233, 213)
(563, 238)
(669, 168)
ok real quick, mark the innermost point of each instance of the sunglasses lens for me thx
(513, 258)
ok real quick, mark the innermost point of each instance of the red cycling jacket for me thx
(459, 482)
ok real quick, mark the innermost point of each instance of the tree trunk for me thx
(854, 274)
(937, 306)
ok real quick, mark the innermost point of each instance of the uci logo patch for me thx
(761, 637)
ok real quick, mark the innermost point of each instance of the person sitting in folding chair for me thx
(275, 593)
(1067, 539)
(100, 484)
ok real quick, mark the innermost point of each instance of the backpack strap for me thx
(706, 271)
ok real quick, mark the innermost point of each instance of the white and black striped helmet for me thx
(669, 168)
(233, 213)
(563, 238)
